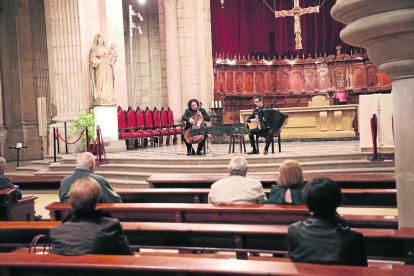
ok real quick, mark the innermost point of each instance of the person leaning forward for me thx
(254, 118)
(5, 181)
(87, 230)
(85, 166)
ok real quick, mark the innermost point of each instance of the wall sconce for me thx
(222, 3)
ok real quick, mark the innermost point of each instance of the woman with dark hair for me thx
(194, 108)
(324, 238)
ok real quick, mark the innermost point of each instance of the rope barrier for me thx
(58, 136)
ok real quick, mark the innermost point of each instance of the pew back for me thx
(345, 180)
(208, 213)
(90, 265)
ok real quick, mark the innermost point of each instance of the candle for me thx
(216, 104)
(212, 104)
(219, 105)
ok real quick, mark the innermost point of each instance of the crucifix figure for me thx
(296, 12)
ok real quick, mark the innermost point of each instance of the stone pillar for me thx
(386, 31)
(175, 100)
(3, 130)
(194, 35)
(71, 28)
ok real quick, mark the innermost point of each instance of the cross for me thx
(296, 12)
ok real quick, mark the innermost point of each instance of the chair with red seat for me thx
(165, 124)
(149, 125)
(165, 132)
(178, 129)
(124, 132)
(141, 131)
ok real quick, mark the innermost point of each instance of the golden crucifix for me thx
(296, 12)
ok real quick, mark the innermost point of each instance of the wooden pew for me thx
(13, 209)
(12, 264)
(379, 243)
(345, 180)
(353, 197)
(36, 181)
(208, 213)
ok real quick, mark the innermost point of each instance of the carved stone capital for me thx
(386, 30)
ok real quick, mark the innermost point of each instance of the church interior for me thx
(114, 78)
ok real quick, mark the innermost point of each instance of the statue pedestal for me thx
(106, 118)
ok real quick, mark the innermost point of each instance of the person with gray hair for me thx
(237, 188)
(87, 230)
(5, 181)
(85, 166)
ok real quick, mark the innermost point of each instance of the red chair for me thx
(165, 132)
(178, 129)
(142, 130)
(149, 125)
(124, 132)
(165, 125)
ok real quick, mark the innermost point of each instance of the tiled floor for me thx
(221, 150)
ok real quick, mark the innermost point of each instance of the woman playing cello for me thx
(192, 116)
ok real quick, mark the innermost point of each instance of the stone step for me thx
(202, 160)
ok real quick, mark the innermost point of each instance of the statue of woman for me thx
(101, 63)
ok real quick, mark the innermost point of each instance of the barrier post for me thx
(66, 138)
(98, 150)
(54, 144)
(87, 139)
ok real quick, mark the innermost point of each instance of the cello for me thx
(198, 122)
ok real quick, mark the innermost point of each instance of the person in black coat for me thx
(254, 118)
(87, 230)
(5, 181)
(187, 118)
(324, 238)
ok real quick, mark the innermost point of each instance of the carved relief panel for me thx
(323, 78)
(260, 84)
(271, 81)
(340, 78)
(309, 80)
(229, 81)
(296, 81)
(283, 80)
(221, 83)
(358, 76)
(239, 82)
(371, 75)
(383, 79)
(249, 82)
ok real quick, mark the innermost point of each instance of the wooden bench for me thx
(36, 181)
(379, 243)
(345, 180)
(208, 213)
(12, 264)
(353, 197)
(13, 209)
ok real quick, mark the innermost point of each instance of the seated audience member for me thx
(87, 230)
(5, 181)
(85, 166)
(237, 188)
(289, 184)
(324, 238)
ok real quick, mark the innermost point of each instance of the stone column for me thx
(173, 58)
(3, 131)
(71, 28)
(194, 34)
(386, 31)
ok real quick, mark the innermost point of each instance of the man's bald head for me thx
(86, 160)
